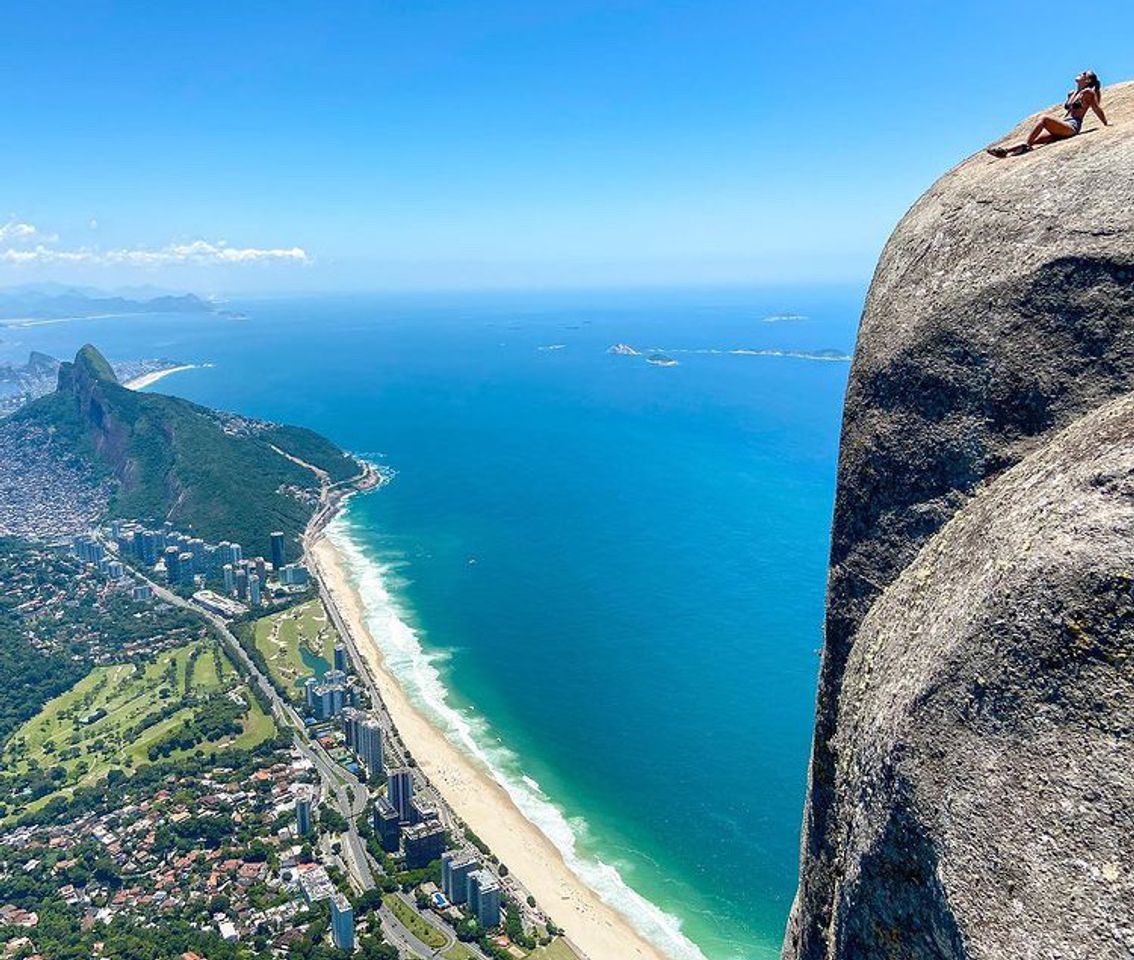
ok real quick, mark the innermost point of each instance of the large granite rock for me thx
(1002, 310)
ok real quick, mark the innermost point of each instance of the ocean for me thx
(603, 575)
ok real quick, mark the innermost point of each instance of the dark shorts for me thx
(1075, 123)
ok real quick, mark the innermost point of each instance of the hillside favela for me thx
(582, 481)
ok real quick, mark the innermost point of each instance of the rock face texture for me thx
(968, 792)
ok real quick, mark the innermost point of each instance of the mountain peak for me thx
(94, 364)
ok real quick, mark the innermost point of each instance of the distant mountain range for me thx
(55, 302)
(219, 475)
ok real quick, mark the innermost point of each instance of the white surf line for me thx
(416, 671)
(834, 357)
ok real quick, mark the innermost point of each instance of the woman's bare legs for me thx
(1057, 128)
(1048, 130)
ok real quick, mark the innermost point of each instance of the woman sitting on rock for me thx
(1087, 95)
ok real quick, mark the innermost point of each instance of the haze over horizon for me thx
(469, 145)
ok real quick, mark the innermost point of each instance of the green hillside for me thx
(313, 448)
(170, 459)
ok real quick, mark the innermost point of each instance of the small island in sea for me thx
(661, 360)
(827, 353)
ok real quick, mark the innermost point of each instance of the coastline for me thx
(146, 379)
(592, 926)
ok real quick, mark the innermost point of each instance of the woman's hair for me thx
(1093, 84)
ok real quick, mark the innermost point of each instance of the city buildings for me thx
(456, 867)
(221, 606)
(363, 735)
(304, 801)
(340, 657)
(191, 561)
(369, 749)
(420, 813)
(172, 563)
(351, 719)
(47, 496)
(293, 575)
(315, 883)
(399, 789)
(325, 699)
(277, 550)
(484, 898)
(148, 543)
(88, 549)
(200, 555)
(423, 843)
(328, 696)
(342, 922)
(387, 824)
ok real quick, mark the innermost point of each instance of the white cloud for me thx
(15, 231)
(196, 252)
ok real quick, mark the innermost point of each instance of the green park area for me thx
(296, 644)
(125, 715)
(414, 922)
(556, 950)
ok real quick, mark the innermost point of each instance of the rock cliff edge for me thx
(971, 791)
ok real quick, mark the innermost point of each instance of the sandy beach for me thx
(154, 376)
(596, 929)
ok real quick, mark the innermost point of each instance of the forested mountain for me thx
(219, 475)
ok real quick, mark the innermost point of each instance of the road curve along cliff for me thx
(999, 324)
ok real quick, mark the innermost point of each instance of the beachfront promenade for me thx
(468, 799)
(330, 500)
(339, 786)
(460, 794)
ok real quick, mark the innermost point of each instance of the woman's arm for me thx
(1093, 101)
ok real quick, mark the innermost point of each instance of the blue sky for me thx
(272, 147)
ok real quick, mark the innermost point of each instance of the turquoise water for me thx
(605, 576)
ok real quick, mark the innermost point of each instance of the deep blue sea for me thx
(605, 575)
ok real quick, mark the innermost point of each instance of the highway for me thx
(399, 935)
(338, 784)
(354, 848)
